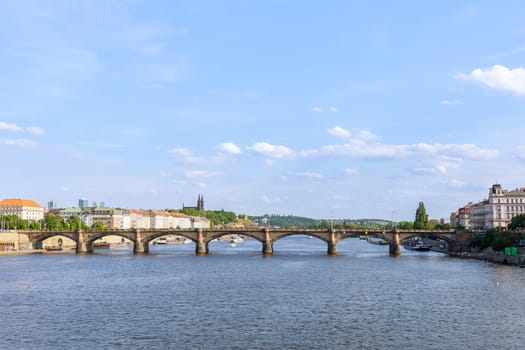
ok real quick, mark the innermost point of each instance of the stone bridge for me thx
(267, 236)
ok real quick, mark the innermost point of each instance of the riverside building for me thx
(26, 209)
(495, 212)
(125, 219)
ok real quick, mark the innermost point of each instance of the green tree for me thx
(496, 239)
(98, 226)
(517, 222)
(432, 224)
(73, 223)
(13, 222)
(34, 225)
(53, 222)
(405, 225)
(421, 221)
(443, 226)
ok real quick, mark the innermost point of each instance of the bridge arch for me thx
(279, 236)
(216, 235)
(406, 237)
(95, 235)
(148, 238)
(36, 241)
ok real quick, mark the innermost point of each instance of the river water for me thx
(235, 298)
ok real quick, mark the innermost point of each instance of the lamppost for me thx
(393, 219)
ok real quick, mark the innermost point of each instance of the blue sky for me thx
(339, 109)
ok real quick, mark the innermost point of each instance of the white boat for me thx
(161, 240)
(186, 241)
(417, 245)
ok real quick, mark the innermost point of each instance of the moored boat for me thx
(161, 240)
(101, 245)
(378, 241)
(417, 245)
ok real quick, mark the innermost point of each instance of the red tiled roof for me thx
(19, 203)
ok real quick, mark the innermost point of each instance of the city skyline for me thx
(278, 107)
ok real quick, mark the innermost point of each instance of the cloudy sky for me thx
(344, 110)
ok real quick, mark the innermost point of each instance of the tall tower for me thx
(200, 202)
(83, 203)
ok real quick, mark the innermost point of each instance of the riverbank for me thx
(494, 257)
(23, 252)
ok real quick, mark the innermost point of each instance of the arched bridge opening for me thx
(300, 242)
(53, 241)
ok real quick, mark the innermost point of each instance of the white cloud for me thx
(521, 152)
(309, 175)
(23, 143)
(340, 197)
(367, 135)
(179, 182)
(229, 148)
(422, 171)
(35, 130)
(334, 109)
(182, 152)
(499, 78)
(317, 109)
(265, 199)
(202, 173)
(268, 162)
(450, 103)
(185, 155)
(339, 132)
(63, 188)
(359, 148)
(272, 151)
(441, 169)
(10, 127)
(350, 171)
(454, 183)
(77, 156)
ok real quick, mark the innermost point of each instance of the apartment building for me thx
(495, 212)
(26, 209)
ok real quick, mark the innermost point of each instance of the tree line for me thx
(49, 222)
(499, 239)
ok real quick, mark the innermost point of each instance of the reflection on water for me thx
(236, 298)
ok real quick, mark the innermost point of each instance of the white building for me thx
(26, 209)
(199, 222)
(504, 205)
(495, 212)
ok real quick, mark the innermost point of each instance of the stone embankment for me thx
(494, 257)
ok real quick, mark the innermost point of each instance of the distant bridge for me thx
(141, 239)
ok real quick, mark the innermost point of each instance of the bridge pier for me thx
(140, 247)
(394, 248)
(201, 248)
(332, 248)
(267, 248)
(83, 246)
(267, 243)
(332, 244)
